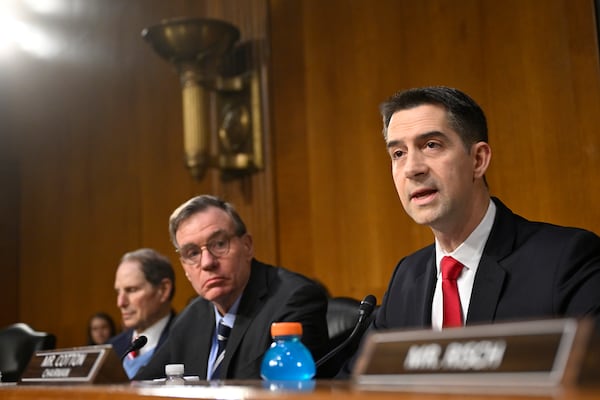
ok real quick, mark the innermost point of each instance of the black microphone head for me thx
(367, 305)
(139, 343)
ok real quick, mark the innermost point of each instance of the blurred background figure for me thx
(145, 286)
(101, 327)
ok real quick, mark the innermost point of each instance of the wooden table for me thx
(323, 390)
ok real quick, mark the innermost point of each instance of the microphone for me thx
(135, 345)
(366, 307)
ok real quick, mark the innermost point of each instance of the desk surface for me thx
(324, 390)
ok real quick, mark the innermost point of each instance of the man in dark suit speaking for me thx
(487, 264)
(239, 298)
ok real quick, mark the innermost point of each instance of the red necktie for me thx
(451, 270)
(135, 353)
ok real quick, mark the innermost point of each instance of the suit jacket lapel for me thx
(425, 285)
(203, 330)
(490, 277)
(165, 333)
(487, 289)
(255, 290)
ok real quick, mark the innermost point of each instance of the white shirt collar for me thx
(229, 318)
(470, 251)
(153, 333)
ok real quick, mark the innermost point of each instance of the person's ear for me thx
(165, 288)
(248, 244)
(482, 155)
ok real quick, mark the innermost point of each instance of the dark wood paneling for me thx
(9, 207)
(97, 138)
(532, 65)
(100, 122)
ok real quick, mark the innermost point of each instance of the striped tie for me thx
(223, 332)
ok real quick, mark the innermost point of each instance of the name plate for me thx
(533, 354)
(89, 364)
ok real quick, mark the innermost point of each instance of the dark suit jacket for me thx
(528, 270)
(271, 295)
(122, 341)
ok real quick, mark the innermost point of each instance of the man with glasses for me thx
(239, 298)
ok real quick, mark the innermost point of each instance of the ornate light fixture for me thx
(221, 92)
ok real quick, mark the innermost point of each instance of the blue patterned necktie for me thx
(223, 332)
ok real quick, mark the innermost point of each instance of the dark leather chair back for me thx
(18, 342)
(342, 316)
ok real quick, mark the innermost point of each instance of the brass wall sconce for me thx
(221, 93)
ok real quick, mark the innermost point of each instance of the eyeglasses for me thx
(218, 246)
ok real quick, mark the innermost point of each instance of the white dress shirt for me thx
(229, 320)
(468, 254)
(152, 334)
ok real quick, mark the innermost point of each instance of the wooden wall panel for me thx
(99, 124)
(532, 65)
(94, 137)
(9, 206)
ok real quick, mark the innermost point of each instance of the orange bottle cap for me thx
(286, 329)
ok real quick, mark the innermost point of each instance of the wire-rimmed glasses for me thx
(217, 246)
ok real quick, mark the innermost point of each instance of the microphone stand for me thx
(136, 345)
(365, 309)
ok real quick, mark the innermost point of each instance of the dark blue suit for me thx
(272, 294)
(528, 270)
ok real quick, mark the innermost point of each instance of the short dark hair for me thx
(464, 114)
(198, 204)
(155, 266)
